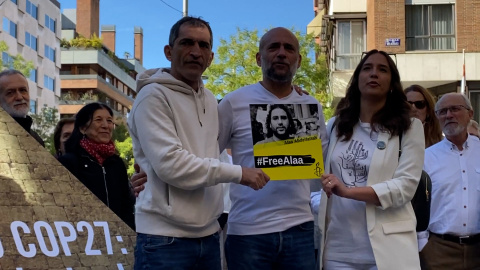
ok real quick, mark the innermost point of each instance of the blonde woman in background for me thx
(473, 128)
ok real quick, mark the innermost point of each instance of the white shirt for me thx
(347, 237)
(455, 178)
(227, 204)
(279, 205)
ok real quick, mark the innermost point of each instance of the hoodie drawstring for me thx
(197, 100)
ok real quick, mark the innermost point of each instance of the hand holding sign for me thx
(254, 178)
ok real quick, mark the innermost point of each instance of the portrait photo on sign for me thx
(286, 141)
(279, 122)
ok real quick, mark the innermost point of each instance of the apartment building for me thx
(30, 28)
(426, 38)
(91, 74)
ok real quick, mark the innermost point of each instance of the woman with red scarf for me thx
(91, 157)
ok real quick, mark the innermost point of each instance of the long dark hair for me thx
(393, 117)
(58, 132)
(431, 127)
(291, 126)
(82, 118)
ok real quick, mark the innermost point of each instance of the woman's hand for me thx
(332, 185)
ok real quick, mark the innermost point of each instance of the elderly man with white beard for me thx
(453, 166)
(15, 99)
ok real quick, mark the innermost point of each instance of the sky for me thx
(156, 18)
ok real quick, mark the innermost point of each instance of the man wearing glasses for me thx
(452, 164)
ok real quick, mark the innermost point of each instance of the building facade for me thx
(31, 28)
(91, 74)
(426, 39)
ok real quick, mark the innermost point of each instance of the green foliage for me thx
(235, 66)
(92, 43)
(64, 43)
(120, 133)
(3, 46)
(44, 124)
(117, 61)
(83, 42)
(125, 151)
(18, 62)
(123, 143)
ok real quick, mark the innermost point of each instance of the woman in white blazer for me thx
(365, 215)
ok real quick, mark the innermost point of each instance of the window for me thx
(49, 82)
(49, 23)
(31, 41)
(430, 27)
(50, 53)
(10, 27)
(351, 44)
(109, 79)
(14, 1)
(7, 60)
(33, 75)
(32, 9)
(33, 106)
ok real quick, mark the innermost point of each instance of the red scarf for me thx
(100, 151)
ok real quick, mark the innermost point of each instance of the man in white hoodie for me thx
(271, 228)
(174, 128)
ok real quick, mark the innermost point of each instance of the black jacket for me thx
(26, 123)
(108, 182)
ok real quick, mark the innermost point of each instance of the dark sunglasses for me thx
(418, 104)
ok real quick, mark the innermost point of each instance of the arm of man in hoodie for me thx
(225, 121)
(251, 177)
(153, 121)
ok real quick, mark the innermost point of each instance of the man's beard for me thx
(10, 109)
(270, 73)
(283, 136)
(453, 131)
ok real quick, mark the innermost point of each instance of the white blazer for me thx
(391, 226)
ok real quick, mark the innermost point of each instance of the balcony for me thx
(93, 81)
(93, 56)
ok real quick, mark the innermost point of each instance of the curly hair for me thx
(291, 126)
(393, 117)
(431, 127)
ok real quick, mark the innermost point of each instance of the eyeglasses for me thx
(452, 109)
(420, 104)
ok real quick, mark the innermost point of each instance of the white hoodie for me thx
(174, 130)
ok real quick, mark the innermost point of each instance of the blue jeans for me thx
(291, 249)
(174, 253)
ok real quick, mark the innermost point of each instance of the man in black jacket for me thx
(15, 99)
